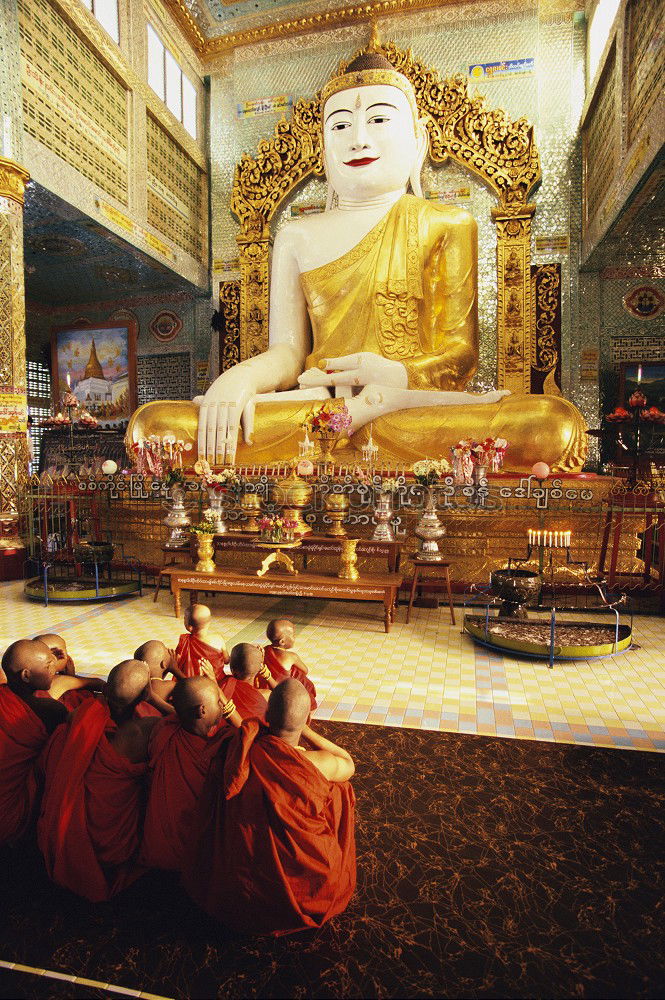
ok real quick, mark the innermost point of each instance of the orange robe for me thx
(276, 846)
(248, 701)
(22, 736)
(191, 649)
(178, 765)
(279, 673)
(88, 830)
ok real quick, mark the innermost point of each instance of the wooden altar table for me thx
(381, 587)
(239, 541)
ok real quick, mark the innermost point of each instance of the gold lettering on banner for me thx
(483, 140)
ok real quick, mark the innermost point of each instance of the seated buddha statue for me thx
(375, 299)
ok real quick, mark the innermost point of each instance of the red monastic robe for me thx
(70, 699)
(279, 673)
(191, 649)
(247, 699)
(178, 765)
(88, 830)
(144, 710)
(22, 736)
(276, 846)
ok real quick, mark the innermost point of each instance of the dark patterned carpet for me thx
(486, 868)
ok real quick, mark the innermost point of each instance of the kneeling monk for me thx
(276, 850)
(247, 672)
(198, 644)
(95, 766)
(281, 658)
(182, 748)
(25, 724)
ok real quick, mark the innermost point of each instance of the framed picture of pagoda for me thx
(98, 365)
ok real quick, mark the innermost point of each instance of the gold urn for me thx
(337, 508)
(293, 494)
(348, 560)
(250, 505)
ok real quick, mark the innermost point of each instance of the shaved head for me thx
(155, 654)
(29, 663)
(52, 640)
(280, 632)
(197, 616)
(198, 704)
(126, 686)
(246, 661)
(289, 706)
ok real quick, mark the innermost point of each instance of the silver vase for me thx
(383, 513)
(177, 520)
(214, 512)
(429, 530)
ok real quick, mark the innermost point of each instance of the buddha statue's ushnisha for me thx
(377, 295)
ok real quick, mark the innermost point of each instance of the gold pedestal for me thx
(348, 561)
(293, 494)
(206, 553)
(250, 505)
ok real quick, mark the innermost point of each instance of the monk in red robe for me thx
(67, 686)
(89, 827)
(58, 647)
(200, 643)
(161, 661)
(25, 724)
(282, 660)
(182, 748)
(276, 848)
(247, 672)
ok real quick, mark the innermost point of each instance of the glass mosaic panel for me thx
(646, 61)
(163, 376)
(72, 103)
(177, 202)
(601, 152)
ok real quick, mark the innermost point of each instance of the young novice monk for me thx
(89, 827)
(247, 670)
(282, 660)
(200, 643)
(67, 687)
(182, 748)
(161, 660)
(275, 850)
(25, 724)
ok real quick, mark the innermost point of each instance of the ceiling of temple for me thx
(223, 17)
(70, 258)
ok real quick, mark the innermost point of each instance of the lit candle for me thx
(69, 381)
(639, 374)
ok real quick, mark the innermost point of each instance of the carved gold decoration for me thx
(13, 179)
(485, 141)
(545, 290)
(229, 305)
(514, 311)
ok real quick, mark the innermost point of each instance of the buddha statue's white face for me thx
(370, 144)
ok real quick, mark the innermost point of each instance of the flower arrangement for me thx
(221, 482)
(155, 455)
(489, 453)
(389, 485)
(274, 528)
(428, 471)
(329, 419)
(204, 527)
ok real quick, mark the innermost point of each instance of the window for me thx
(106, 12)
(39, 403)
(600, 26)
(167, 79)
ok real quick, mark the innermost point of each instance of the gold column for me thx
(513, 262)
(13, 398)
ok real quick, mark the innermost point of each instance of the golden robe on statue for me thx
(406, 291)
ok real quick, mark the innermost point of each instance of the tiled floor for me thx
(425, 675)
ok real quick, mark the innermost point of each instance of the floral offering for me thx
(276, 529)
(155, 455)
(429, 470)
(489, 453)
(221, 482)
(462, 462)
(330, 418)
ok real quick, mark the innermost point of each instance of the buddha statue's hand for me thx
(353, 370)
(227, 403)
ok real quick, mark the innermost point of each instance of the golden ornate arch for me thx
(502, 153)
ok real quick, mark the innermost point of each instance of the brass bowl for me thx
(516, 588)
(291, 492)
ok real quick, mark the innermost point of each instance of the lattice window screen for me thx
(176, 192)
(72, 103)
(646, 62)
(163, 376)
(601, 153)
(38, 379)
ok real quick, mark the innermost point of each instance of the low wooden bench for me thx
(381, 587)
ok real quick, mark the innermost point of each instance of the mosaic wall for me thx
(451, 39)
(163, 376)
(176, 192)
(646, 60)
(72, 103)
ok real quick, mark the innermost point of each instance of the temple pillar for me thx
(254, 251)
